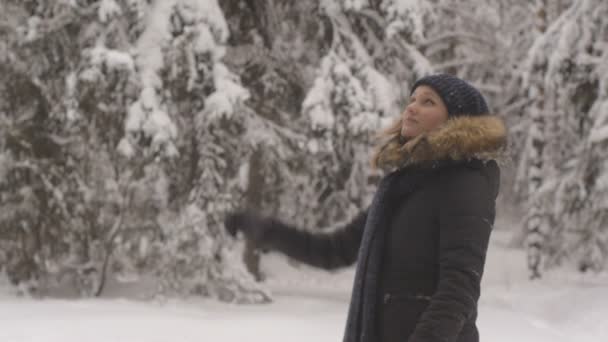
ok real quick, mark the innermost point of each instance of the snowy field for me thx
(311, 305)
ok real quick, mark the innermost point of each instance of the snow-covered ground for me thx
(310, 305)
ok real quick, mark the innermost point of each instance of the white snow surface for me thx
(311, 305)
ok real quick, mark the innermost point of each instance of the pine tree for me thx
(121, 81)
(129, 127)
(565, 221)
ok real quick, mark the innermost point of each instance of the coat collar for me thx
(459, 139)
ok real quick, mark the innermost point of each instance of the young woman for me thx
(420, 247)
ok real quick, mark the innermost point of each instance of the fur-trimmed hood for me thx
(460, 138)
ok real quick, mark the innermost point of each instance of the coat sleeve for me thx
(466, 216)
(325, 250)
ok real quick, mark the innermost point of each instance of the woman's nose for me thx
(410, 108)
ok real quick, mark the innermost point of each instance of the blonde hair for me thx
(389, 144)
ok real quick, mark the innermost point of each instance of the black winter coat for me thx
(432, 222)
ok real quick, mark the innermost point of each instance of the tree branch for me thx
(115, 230)
(460, 62)
(457, 35)
(63, 19)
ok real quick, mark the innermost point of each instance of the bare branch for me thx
(117, 227)
(374, 16)
(516, 106)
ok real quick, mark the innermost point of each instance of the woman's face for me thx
(425, 112)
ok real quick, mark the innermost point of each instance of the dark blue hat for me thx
(459, 97)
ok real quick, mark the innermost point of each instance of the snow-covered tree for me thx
(136, 116)
(129, 127)
(565, 79)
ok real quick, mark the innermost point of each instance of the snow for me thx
(113, 59)
(422, 66)
(383, 91)
(209, 13)
(311, 305)
(70, 87)
(148, 114)
(33, 24)
(408, 16)
(317, 104)
(243, 178)
(364, 122)
(107, 9)
(229, 94)
(320, 118)
(149, 45)
(313, 146)
(599, 135)
(159, 126)
(599, 132)
(353, 5)
(126, 148)
(331, 7)
(363, 95)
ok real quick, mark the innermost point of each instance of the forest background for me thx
(128, 128)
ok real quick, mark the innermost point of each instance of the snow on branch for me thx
(457, 35)
(461, 62)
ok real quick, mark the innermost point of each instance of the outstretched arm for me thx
(325, 250)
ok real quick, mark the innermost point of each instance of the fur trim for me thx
(460, 138)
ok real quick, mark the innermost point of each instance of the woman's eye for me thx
(429, 101)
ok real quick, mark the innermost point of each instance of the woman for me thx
(420, 247)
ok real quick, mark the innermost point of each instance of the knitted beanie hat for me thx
(459, 97)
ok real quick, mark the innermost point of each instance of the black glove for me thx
(253, 226)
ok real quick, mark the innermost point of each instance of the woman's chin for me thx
(407, 134)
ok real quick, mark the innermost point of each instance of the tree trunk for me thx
(535, 221)
(253, 199)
